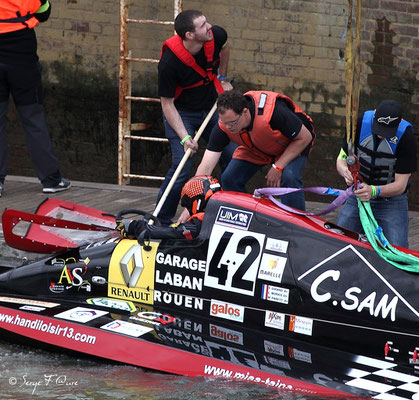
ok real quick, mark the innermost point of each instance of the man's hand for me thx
(183, 217)
(364, 193)
(122, 226)
(344, 172)
(190, 144)
(273, 178)
(226, 85)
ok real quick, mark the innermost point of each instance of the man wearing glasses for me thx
(270, 130)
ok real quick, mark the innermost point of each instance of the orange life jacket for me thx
(199, 216)
(175, 43)
(262, 145)
(18, 14)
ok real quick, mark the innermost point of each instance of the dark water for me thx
(28, 373)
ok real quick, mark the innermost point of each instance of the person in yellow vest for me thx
(20, 76)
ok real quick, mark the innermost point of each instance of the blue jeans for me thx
(192, 121)
(391, 214)
(239, 172)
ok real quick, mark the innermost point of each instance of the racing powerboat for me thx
(262, 295)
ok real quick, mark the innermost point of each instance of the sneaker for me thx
(1, 188)
(63, 185)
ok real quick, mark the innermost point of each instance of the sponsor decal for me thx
(177, 299)
(281, 364)
(72, 276)
(225, 310)
(301, 325)
(32, 308)
(273, 348)
(155, 318)
(56, 288)
(272, 268)
(112, 303)
(276, 245)
(131, 272)
(81, 314)
(98, 280)
(299, 355)
(181, 262)
(178, 280)
(330, 283)
(225, 334)
(233, 259)
(233, 217)
(275, 293)
(46, 304)
(274, 320)
(127, 328)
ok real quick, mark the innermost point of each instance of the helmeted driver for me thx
(194, 197)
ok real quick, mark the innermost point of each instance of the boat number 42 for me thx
(233, 260)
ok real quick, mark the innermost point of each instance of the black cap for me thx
(387, 118)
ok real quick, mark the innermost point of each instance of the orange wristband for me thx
(279, 169)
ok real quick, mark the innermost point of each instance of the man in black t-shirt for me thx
(188, 87)
(386, 148)
(270, 130)
(20, 77)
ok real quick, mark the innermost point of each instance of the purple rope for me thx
(342, 196)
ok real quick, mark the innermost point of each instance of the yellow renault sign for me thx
(131, 272)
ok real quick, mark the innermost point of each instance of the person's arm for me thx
(223, 67)
(175, 121)
(43, 12)
(292, 151)
(208, 162)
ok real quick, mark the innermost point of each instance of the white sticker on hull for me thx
(233, 260)
(272, 268)
(81, 314)
(127, 328)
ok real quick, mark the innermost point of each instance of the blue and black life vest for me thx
(378, 162)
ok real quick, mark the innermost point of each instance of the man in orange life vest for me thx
(20, 76)
(194, 197)
(270, 130)
(188, 87)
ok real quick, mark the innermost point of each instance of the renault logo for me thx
(133, 253)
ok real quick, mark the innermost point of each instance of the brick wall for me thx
(293, 46)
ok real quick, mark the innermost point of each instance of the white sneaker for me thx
(63, 185)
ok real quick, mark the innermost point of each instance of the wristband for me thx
(374, 192)
(182, 142)
(222, 78)
(279, 169)
(342, 155)
(378, 190)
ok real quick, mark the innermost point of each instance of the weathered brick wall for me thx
(293, 46)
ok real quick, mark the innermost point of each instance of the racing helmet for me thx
(197, 191)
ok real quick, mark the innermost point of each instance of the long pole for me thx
(183, 161)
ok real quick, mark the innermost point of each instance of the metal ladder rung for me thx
(146, 138)
(149, 177)
(147, 60)
(133, 98)
(150, 21)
